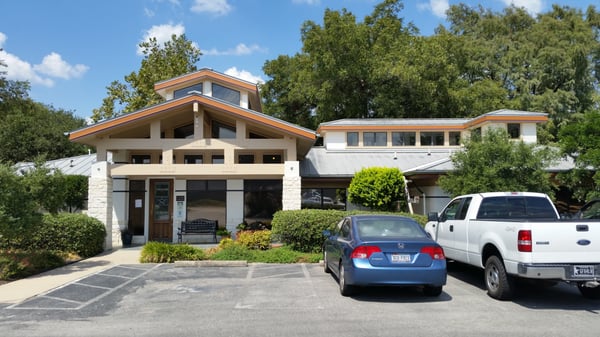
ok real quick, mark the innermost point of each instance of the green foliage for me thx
(496, 163)
(378, 188)
(66, 232)
(233, 252)
(260, 239)
(237, 252)
(302, 230)
(20, 264)
(160, 252)
(581, 142)
(177, 57)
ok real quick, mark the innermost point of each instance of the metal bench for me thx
(198, 226)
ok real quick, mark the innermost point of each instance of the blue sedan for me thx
(369, 250)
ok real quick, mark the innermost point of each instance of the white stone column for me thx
(292, 183)
(100, 203)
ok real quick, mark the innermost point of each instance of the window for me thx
(206, 199)
(185, 131)
(404, 138)
(432, 138)
(192, 159)
(374, 138)
(218, 159)
(246, 159)
(185, 91)
(514, 130)
(140, 159)
(272, 159)
(226, 94)
(222, 131)
(450, 212)
(324, 198)
(476, 134)
(262, 198)
(345, 230)
(454, 138)
(352, 138)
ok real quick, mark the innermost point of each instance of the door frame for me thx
(167, 235)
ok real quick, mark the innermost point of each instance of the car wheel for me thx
(345, 289)
(587, 292)
(499, 284)
(325, 265)
(432, 291)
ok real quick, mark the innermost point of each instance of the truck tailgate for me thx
(565, 241)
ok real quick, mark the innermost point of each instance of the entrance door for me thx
(161, 210)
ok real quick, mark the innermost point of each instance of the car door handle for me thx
(452, 228)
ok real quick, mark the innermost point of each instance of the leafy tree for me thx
(581, 142)
(497, 163)
(378, 188)
(76, 192)
(177, 57)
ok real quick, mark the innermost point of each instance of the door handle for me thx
(452, 228)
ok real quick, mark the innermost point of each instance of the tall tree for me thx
(176, 57)
(496, 163)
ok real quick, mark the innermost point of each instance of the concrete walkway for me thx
(17, 291)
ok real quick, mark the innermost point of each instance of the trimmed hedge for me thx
(303, 229)
(67, 232)
(160, 252)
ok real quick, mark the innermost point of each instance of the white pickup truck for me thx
(518, 234)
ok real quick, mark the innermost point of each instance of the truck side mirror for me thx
(432, 216)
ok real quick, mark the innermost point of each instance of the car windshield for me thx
(389, 228)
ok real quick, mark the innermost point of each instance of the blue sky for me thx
(71, 50)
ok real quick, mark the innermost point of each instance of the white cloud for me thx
(163, 34)
(149, 13)
(54, 66)
(308, 2)
(19, 70)
(2, 39)
(219, 7)
(244, 75)
(437, 7)
(240, 49)
(531, 6)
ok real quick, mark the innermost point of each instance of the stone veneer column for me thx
(291, 196)
(100, 203)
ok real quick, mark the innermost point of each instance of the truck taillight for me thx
(524, 242)
(364, 252)
(436, 253)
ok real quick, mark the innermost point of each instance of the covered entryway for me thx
(161, 210)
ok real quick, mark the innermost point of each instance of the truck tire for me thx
(499, 284)
(587, 292)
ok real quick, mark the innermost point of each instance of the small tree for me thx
(497, 163)
(378, 188)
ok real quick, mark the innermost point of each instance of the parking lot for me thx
(288, 300)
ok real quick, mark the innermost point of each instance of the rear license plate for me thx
(583, 271)
(400, 258)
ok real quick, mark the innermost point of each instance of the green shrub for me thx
(286, 255)
(260, 239)
(67, 232)
(159, 252)
(303, 229)
(19, 264)
(233, 251)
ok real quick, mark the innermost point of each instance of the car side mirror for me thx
(326, 233)
(432, 216)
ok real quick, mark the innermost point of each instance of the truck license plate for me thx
(400, 258)
(583, 271)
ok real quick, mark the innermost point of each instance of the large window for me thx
(226, 94)
(185, 91)
(374, 138)
(140, 159)
(222, 131)
(184, 131)
(514, 130)
(432, 138)
(262, 198)
(193, 159)
(352, 138)
(454, 138)
(207, 199)
(324, 198)
(404, 138)
(272, 159)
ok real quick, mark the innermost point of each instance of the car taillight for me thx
(436, 253)
(364, 252)
(524, 242)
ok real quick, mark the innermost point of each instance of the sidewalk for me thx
(17, 291)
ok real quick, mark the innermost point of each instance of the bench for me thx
(198, 226)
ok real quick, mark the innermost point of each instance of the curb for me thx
(211, 263)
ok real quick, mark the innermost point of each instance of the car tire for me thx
(325, 265)
(432, 291)
(587, 292)
(499, 284)
(345, 289)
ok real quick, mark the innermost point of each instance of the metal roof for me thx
(79, 165)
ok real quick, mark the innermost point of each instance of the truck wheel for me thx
(499, 284)
(587, 292)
